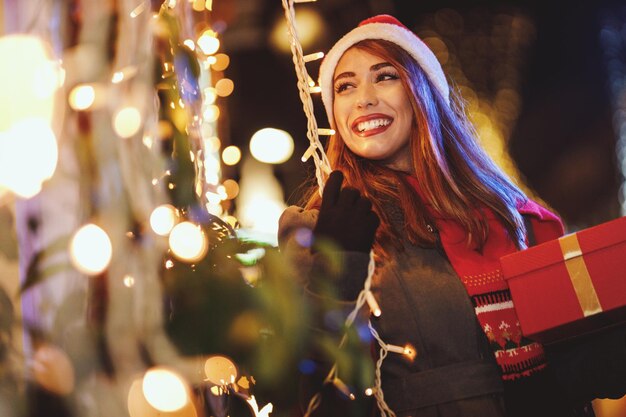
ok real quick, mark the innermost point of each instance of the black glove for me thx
(345, 218)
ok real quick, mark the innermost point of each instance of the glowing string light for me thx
(90, 249)
(164, 389)
(322, 166)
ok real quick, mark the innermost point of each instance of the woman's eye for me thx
(342, 87)
(385, 76)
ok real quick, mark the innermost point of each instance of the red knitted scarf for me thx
(481, 275)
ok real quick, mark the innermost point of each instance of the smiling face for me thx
(372, 110)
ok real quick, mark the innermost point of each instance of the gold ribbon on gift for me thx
(579, 275)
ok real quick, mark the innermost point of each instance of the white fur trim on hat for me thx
(395, 33)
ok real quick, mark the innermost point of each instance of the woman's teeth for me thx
(372, 124)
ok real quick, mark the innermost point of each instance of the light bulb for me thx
(90, 249)
(272, 146)
(127, 122)
(164, 389)
(220, 370)
(82, 97)
(231, 155)
(188, 242)
(163, 219)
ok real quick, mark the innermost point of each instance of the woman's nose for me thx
(367, 97)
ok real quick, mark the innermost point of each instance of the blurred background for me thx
(195, 103)
(544, 84)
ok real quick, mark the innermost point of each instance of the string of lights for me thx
(322, 167)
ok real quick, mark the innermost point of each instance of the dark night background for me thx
(563, 141)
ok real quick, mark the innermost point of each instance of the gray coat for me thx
(426, 305)
(455, 373)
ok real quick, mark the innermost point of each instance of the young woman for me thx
(411, 182)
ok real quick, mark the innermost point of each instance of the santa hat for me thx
(388, 28)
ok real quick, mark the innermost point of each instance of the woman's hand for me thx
(345, 218)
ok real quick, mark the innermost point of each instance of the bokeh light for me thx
(212, 144)
(231, 188)
(28, 82)
(310, 27)
(28, 156)
(190, 44)
(82, 97)
(188, 242)
(90, 249)
(208, 42)
(211, 113)
(231, 155)
(220, 370)
(224, 87)
(272, 146)
(221, 62)
(127, 121)
(163, 219)
(164, 389)
(210, 95)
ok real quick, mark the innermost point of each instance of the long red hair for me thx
(455, 175)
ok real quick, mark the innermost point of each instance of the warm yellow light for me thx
(262, 213)
(221, 62)
(138, 406)
(215, 209)
(211, 164)
(47, 80)
(213, 198)
(210, 95)
(147, 141)
(232, 220)
(410, 351)
(82, 97)
(309, 24)
(190, 44)
(208, 42)
(207, 130)
(211, 113)
(138, 10)
(209, 61)
(164, 389)
(231, 188)
(224, 87)
(28, 156)
(272, 146)
(188, 242)
(163, 219)
(90, 249)
(198, 5)
(212, 144)
(231, 155)
(129, 281)
(220, 370)
(124, 74)
(28, 80)
(127, 121)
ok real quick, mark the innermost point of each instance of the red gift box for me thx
(570, 286)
